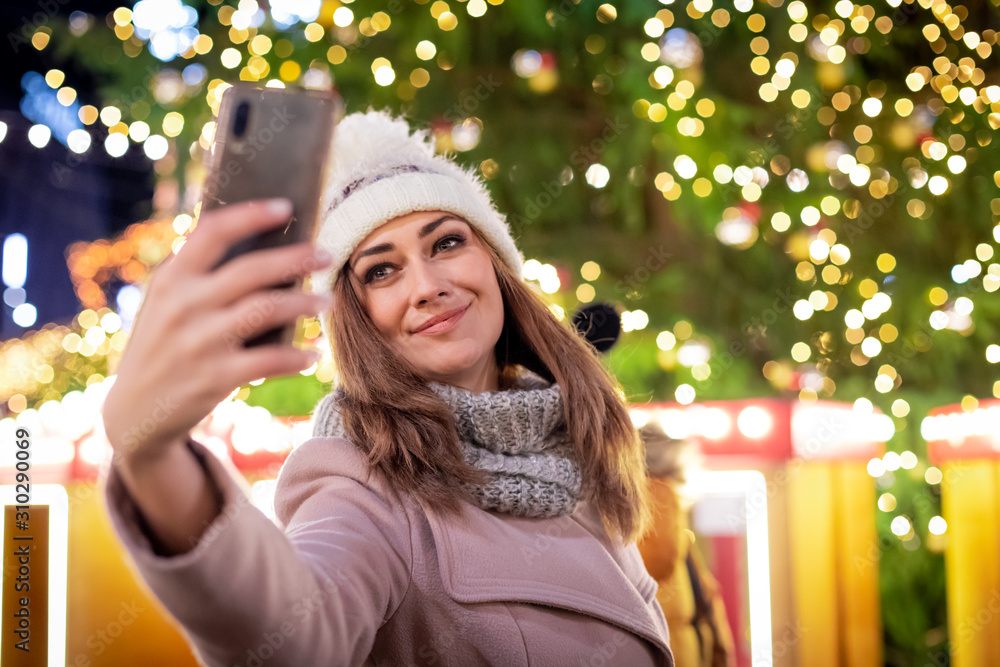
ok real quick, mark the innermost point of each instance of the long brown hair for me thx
(409, 432)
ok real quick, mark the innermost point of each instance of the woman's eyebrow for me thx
(424, 232)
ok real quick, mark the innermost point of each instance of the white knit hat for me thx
(379, 171)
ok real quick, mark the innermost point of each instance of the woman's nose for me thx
(427, 282)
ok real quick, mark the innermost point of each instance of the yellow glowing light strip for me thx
(751, 486)
(53, 495)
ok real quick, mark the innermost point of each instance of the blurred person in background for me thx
(692, 602)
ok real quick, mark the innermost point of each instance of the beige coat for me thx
(360, 575)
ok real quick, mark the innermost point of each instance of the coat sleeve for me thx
(314, 592)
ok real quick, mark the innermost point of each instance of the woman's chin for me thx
(448, 375)
(453, 372)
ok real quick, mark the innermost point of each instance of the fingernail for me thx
(322, 255)
(280, 206)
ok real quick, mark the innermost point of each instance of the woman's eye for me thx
(459, 240)
(373, 273)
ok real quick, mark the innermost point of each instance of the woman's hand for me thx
(185, 353)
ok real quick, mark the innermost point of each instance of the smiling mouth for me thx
(444, 325)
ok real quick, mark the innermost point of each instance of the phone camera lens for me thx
(240, 119)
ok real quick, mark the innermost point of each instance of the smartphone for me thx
(272, 142)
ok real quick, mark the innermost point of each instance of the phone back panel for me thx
(271, 142)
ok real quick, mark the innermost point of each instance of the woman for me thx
(474, 485)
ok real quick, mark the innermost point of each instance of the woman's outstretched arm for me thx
(177, 498)
(185, 355)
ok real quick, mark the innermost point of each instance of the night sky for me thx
(52, 195)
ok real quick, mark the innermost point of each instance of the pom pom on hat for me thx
(365, 142)
(380, 170)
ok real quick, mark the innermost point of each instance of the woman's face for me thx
(418, 267)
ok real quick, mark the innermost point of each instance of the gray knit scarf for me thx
(517, 435)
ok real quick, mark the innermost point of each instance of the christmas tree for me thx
(782, 198)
